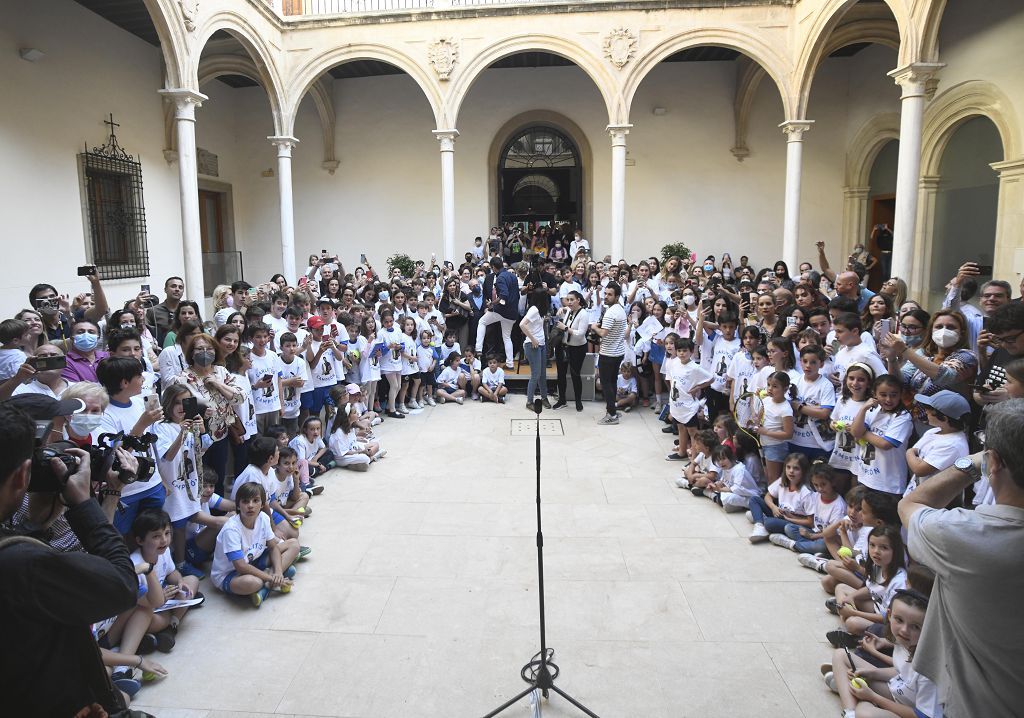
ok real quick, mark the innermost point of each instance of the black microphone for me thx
(538, 406)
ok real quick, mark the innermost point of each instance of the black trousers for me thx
(608, 370)
(569, 359)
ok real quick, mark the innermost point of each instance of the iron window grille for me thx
(115, 211)
(539, 147)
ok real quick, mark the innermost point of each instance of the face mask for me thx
(945, 338)
(709, 267)
(689, 300)
(911, 341)
(384, 296)
(85, 342)
(85, 424)
(204, 358)
(126, 325)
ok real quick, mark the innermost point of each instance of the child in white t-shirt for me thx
(151, 535)
(859, 608)
(787, 501)
(846, 542)
(263, 377)
(248, 559)
(626, 388)
(855, 392)
(826, 507)
(349, 452)
(735, 486)
(204, 526)
(245, 412)
(294, 503)
(451, 382)
(471, 367)
(776, 426)
(425, 361)
(883, 426)
(314, 456)
(293, 373)
(815, 399)
(492, 382)
(687, 379)
(701, 472)
(945, 442)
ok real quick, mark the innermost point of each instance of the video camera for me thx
(102, 460)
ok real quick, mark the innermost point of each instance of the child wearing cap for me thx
(945, 442)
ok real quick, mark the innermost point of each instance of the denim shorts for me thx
(260, 563)
(776, 452)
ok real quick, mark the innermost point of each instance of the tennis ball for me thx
(845, 552)
(858, 682)
(355, 354)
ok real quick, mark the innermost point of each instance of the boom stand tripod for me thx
(540, 673)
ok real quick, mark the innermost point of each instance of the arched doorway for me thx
(540, 178)
(967, 202)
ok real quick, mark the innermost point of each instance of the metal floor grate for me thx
(528, 427)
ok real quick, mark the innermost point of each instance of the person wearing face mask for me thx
(943, 360)
(84, 355)
(217, 393)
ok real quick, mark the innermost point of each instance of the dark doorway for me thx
(883, 212)
(540, 179)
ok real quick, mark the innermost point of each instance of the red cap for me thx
(314, 322)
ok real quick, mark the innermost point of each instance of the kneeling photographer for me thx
(49, 599)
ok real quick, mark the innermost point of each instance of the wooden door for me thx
(883, 211)
(211, 221)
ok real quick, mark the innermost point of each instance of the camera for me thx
(102, 459)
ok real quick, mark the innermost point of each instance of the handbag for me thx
(555, 335)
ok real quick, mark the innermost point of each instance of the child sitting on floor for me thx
(885, 574)
(349, 452)
(701, 472)
(492, 382)
(625, 387)
(249, 560)
(451, 382)
(826, 508)
(735, 486)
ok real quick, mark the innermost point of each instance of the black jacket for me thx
(48, 600)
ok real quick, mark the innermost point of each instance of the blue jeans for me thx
(130, 506)
(763, 515)
(538, 358)
(804, 545)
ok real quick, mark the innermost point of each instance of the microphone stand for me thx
(540, 673)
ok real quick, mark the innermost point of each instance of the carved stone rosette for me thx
(443, 53)
(620, 46)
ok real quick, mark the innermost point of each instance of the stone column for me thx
(284, 145)
(913, 79)
(1009, 254)
(794, 130)
(855, 217)
(920, 277)
(185, 104)
(618, 134)
(446, 138)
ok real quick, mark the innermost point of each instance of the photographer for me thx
(48, 600)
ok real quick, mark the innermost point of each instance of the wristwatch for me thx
(149, 570)
(966, 465)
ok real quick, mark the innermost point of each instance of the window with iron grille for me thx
(114, 210)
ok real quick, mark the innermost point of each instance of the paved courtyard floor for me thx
(420, 596)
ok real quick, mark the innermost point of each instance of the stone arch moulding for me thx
(173, 43)
(879, 32)
(259, 52)
(756, 49)
(942, 118)
(930, 31)
(550, 119)
(215, 66)
(466, 75)
(818, 40)
(304, 77)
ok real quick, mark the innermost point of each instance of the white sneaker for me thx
(415, 404)
(376, 420)
(830, 681)
(441, 399)
(379, 455)
(710, 493)
(809, 560)
(430, 401)
(608, 420)
(759, 534)
(682, 483)
(458, 400)
(750, 517)
(403, 409)
(783, 541)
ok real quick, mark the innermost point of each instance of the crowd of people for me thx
(839, 420)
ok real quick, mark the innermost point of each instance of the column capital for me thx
(1009, 168)
(929, 183)
(446, 138)
(283, 143)
(917, 79)
(795, 129)
(618, 133)
(185, 101)
(856, 192)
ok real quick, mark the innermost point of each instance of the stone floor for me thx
(420, 596)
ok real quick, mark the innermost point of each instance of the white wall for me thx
(50, 110)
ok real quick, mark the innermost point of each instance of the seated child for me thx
(470, 366)
(292, 500)
(786, 502)
(151, 533)
(249, 560)
(847, 532)
(625, 387)
(314, 456)
(877, 509)
(203, 527)
(492, 382)
(885, 574)
(451, 382)
(826, 507)
(349, 452)
(701, 472)
(896, 689)
(735, 486)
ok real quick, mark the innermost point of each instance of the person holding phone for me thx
(995, 294)
(59, 312)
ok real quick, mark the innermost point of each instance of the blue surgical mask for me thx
(85, 342)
